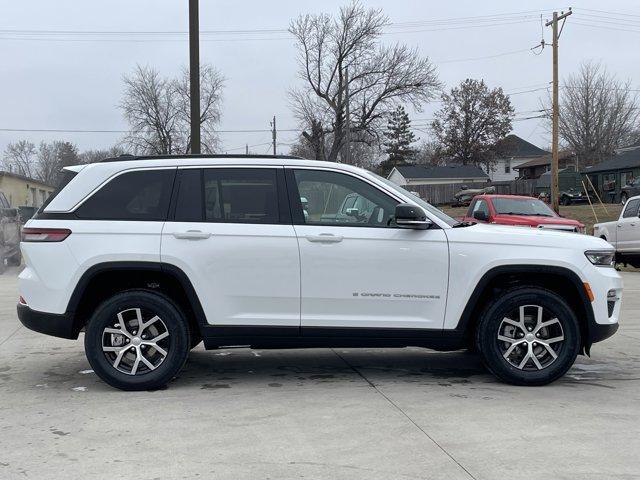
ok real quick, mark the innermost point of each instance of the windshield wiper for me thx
(526, 214)
(462, 224)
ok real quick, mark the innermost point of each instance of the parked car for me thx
(149, 256)
(630, 190)
(520, 212)
(572, 195)
(9, 234)
(567, 197)
(624, 233)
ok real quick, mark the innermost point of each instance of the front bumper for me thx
(48, 323)
(598, 332)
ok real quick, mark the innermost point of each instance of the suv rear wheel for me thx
(529, 336)
(137, 340)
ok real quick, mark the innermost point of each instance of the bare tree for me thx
(20, 157)
(598, 113)
(92, 156)
(43, 163)
(430, 153)
(211, 85)
(52, 157)
(379, 77)
(471, 122)
(157, 109)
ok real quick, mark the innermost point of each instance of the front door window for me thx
(338, 199)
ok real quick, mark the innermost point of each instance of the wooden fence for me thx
(442, 194)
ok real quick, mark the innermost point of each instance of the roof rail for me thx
(128, 157)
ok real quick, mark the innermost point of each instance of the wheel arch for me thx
(103, 280)
(559, 280)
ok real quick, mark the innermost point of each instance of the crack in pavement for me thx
(397, 407)
(11, 335)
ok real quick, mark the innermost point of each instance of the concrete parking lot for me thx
(341, 413)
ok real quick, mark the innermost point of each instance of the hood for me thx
(529, 237)
(536, 220)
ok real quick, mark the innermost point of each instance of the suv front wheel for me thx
(137, 340)
(529, 336)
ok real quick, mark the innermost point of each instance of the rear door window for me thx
(631, 209)
(139, 195)
(241, 195)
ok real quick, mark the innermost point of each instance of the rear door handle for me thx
(192, 235)
(324, 238)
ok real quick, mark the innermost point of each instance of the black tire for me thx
(565, 201)
(176, 343)
(15, 260)
(490, 347)
(623, 198)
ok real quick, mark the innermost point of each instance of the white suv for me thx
(151, 255)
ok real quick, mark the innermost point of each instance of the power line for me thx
(610, 12)
(74, 130)
(512, 52)
(262, 33)
(612, 20)
(603, 27)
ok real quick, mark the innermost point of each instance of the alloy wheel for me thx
(530, 338)
(136, 346)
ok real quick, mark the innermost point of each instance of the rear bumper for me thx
(48, 323)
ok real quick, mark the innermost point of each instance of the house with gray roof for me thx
(513, 151)
(609, 176)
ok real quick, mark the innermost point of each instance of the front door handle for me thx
(324, 238)
(192, 235)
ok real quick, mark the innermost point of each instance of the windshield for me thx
(522, 206)
(427, 206)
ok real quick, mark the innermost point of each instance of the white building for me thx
(515, 152)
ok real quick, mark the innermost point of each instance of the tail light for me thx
(45, 234)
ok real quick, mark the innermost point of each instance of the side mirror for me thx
(10, 212)
(353, 212)
(411, 216)
(481, 215)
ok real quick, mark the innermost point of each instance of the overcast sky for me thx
(70, 81)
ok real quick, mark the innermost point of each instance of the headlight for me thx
(600, 258)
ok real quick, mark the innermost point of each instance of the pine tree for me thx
(399, 138)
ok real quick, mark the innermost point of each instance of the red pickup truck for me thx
(518, 211)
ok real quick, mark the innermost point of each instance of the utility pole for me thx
(194, 75)
(348, 116)
(274, 135)
(555, 193)
(246, 149)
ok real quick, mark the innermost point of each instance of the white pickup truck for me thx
(624, 233)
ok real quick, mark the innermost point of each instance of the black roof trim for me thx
(128, 157)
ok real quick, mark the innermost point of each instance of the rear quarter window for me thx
(64, 179)
(139, 195)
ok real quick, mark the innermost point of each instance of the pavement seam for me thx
(9, 337)
(397, 407)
